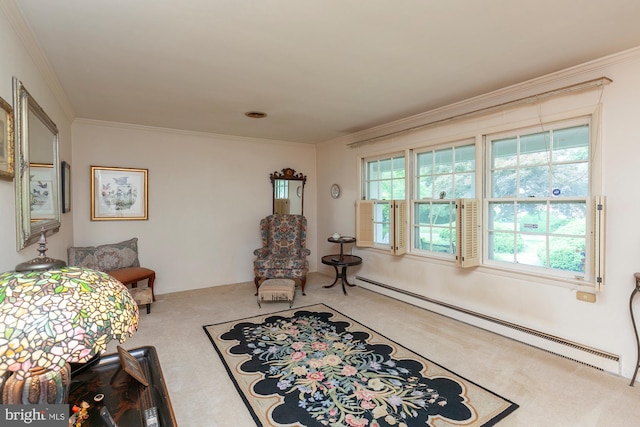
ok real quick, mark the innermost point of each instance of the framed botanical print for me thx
(6, 141)
(118, 194)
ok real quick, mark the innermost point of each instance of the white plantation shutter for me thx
(599, 240)
(364, 223)
(399, 219)
(467, 243)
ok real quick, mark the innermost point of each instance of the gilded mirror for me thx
(288, 192)
(37, 173)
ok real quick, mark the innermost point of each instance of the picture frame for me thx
(65, 186)
(41, 181)
(7, 141)
(119, 193)
(131, 366)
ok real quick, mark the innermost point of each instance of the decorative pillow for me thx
(106, 257)
(118, 255)
(83, 257)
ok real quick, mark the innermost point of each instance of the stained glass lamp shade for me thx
(68, 314)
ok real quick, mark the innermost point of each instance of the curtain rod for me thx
(601, 81)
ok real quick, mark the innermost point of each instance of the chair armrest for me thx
(261, 252)
(306, 251)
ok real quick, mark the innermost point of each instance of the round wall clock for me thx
(335, 191)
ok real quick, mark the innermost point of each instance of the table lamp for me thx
(54, 317)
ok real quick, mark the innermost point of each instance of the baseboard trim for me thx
(562, 347)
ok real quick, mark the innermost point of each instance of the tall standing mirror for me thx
(37, 173)
(288, 192)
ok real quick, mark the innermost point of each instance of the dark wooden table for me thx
(341, 241)
(125, 398)
(342, 261)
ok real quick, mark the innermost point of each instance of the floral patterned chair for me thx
(283, 253)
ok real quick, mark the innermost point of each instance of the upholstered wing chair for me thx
(283, 253)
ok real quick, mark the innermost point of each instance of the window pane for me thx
(441, 213)
(527, 247)
(425, 163)
(571, 179)
(534, 149)
(373, 190)
(372, 170)
(398, 167)
(568, 218)
(534, 182)
(385, 168)
(398, 190)
(532, 217)
(465, 158)
(381, 212)
(381, 233)
(571, 144)
(504, 153)
(501, 216)
(567, 253)
(443, 186)
(423, 213)
(502, 246)
(464, 185)
(423, 241)
(425, 189)
(441, 240)
(503, 183)
(444, 161)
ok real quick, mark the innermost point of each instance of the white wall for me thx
(17, 61)
(524, 300)
(207, 194)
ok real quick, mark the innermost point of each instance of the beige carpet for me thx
(550, 390)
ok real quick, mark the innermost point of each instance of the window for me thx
(536, 215)
(381, 217)
(538, 206)
(441, 177)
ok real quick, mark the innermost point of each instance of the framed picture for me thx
(41, 181)
(66, 187)
(118, 194)
(6, 141)
(131, 366)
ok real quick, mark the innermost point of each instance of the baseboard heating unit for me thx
(585, 355)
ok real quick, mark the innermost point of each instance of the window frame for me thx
(366, 181)
(590, 253)
(446, 199)
(473, 252)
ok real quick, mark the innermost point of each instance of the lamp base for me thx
(40, 387)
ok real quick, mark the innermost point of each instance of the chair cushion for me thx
(131, 274)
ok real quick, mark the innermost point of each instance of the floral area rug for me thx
(313, 366)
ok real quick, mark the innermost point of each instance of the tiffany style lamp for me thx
(51, 318)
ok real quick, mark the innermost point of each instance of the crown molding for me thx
(24, 32)
(549, 82)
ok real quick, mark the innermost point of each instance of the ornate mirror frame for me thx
(37, 173)
(288, 191)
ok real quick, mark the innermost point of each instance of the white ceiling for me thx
(319, 69)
